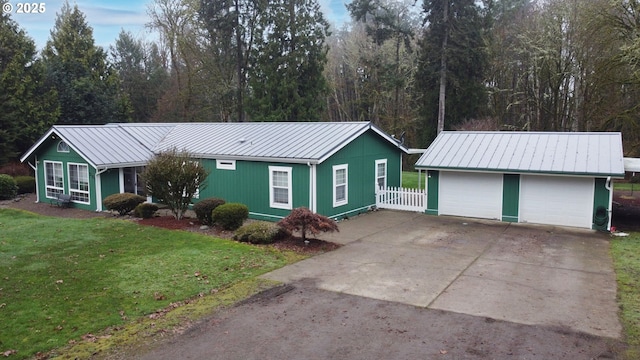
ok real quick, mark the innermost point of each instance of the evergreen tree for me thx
(87, 85)
(453, 60)
(27, 106)
(287, 81)
(142, 76)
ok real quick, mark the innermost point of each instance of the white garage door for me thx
(470, 194)
(556, 200)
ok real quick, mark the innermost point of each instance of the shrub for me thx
(8, 187)
(26, 184)
(204, 208)
(123, 203)
(230, 216)
(305, 221)
(145, 210)
(16, 169)
(260, 232)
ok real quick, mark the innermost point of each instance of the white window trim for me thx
(378, 162)
(226, 164)
(48, 186)
(78, 191)
(62, 147)
(337, 168)
(272, 203)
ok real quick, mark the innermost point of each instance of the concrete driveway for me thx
(527, 274)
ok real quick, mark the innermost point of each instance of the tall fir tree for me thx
(286, 80)
(27, 106)
(452, 64)
(86, 84)
(142, 76)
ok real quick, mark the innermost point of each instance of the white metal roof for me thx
(577, 153)
(297, 142)
(115, 145)
(632, 165)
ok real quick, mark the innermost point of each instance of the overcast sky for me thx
(108, 17)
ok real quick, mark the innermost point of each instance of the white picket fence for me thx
(398, 198)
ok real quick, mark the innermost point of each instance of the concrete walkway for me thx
(536, 275)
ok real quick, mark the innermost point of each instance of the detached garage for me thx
(529, 177)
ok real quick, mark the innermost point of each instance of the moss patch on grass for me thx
(626, 259)
(62, 279)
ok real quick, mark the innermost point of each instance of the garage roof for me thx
(569, 153)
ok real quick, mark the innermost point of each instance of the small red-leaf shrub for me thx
(16, 169)
(307, 222)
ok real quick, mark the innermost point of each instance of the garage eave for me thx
(520, 171)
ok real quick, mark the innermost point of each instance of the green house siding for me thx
(433, 184)
(249, 184)
(510, 197)
(49, 153)
(110, 182)
(601, 197)
(360, 156)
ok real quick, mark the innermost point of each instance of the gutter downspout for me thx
(98, 183)
(35, 169)
(312, 187)
(609, 186)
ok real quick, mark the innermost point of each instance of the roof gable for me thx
(577, 153)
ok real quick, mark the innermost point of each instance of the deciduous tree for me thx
(173, 178)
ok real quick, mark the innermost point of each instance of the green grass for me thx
(626, 259)
(410, 179)
(62, 278)
(626, 186)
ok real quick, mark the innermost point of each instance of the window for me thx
(79, 182)
(280, 187)
(63, 147)
(133, 182)
(381, 173)
(340, 185)
(54, 178)
(226, 164)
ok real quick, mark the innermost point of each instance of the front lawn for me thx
(626, 260)
(61, 279)
(410, 180)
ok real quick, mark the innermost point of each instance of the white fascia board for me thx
(46, 136)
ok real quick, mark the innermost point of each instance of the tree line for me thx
(412, 68)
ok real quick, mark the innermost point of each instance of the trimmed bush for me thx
(204, 208)
(26, 184)
(145, 210)
(8, 187)
(260, 232)
(230, 216)
(123, 203)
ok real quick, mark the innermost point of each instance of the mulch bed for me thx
(291, 243)
(626, 210)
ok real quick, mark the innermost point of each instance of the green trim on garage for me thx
(600, 199)
(432, 192)
(510, 197)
